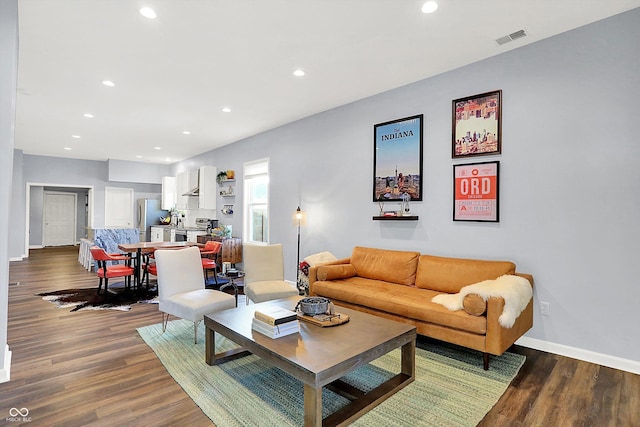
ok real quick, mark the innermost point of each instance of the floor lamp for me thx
(300, 219)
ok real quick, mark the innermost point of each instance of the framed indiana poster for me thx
(397, 159)
(475, 192)
(477, 125)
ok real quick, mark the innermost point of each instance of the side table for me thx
(232, 282)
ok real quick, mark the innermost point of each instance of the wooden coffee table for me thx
(319, 357)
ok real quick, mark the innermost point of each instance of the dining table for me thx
(142, 248)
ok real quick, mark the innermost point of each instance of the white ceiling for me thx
(178, 71)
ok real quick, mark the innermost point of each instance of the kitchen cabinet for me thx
(182, 183)
(207, 188)
(168, 192)
(196, 189)
(157, 234)
(231, 247)
(185, 182)
(192, 235)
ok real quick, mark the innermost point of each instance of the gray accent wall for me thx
(569, 179)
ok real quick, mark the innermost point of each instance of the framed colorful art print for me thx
(477, 125)
(476, 191)
(397, 159)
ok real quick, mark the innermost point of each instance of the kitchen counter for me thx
(171, 233)
(180, 228)
(126, 235)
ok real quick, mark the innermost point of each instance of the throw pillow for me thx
(320, 258)
(474, 305)
(335, 272)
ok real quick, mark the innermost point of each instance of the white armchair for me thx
(181, 288)
(264, 273)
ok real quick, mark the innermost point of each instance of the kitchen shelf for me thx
(226, 180)
(396, 218)
(225, 209)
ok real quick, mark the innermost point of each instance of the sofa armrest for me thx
(313, 271)
(499, 338)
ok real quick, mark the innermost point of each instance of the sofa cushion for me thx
(451, 274)
(333, 272)
(406, 301)
(386, 265)
(474, 305)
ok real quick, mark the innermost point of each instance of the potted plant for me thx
(221, 177)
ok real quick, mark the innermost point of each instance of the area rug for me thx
(451, 388)
(88, 299)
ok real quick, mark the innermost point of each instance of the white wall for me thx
(143, 173)
(36, 172)
(569, 179)
(8, 91)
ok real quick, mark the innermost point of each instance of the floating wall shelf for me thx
(396, 218)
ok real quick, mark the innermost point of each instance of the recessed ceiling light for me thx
(147, 12)
(67, 148)
(88, 115)
(108, 83)
(429, 7)
(75, 136)
(186, 132)
(157, 148)
(226, 110)
(138, 156)
(167, 160)
(298, 73)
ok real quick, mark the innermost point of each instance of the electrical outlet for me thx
(545, 308)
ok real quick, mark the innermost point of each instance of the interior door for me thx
(60, 216)
(118, 207)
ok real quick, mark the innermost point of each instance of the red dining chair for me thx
(209, 255)
(106, 271)
(148, 267)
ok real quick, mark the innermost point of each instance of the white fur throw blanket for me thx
(515, 290)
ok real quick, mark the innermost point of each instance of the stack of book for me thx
(275, 322)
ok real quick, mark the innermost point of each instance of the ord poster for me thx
(475, 193)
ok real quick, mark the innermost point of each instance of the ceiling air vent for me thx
(511, 37)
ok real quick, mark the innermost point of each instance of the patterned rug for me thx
(88, 299)
(451, 388)
(119, 298)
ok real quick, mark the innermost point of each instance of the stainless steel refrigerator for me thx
(148, 213)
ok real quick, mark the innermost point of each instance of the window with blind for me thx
(256, 201)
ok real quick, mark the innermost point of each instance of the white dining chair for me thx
(264, 273)
(181, 288)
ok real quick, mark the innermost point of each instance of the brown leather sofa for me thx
(399, 285)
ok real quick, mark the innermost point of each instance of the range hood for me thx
(193, 192)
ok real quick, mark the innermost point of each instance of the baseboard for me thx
(36, 246)
(6, 369)
(16, 259)
(581, 354)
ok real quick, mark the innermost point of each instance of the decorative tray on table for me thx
(320, 312)
(324, 320)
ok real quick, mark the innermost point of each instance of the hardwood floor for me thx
(92, 367)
